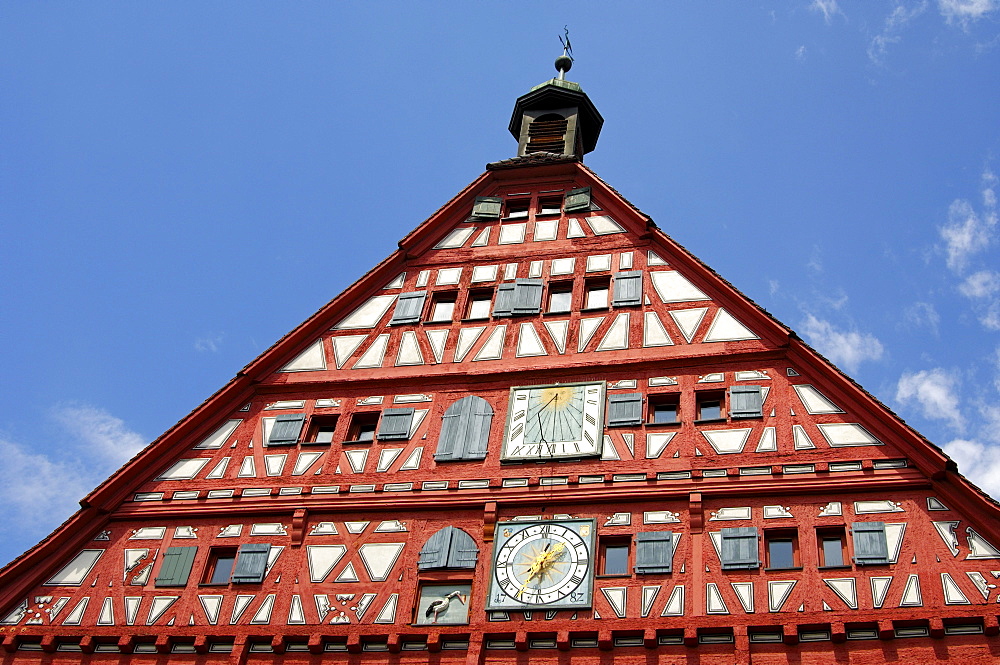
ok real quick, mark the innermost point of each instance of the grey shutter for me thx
(624, 409)
(462, 551)
(487, 207)
(577, 199)
(739, 548)
(505, 300)
(176, 566)
(654, 552)
(251, 563)
(746, 402)
(395, 424)
(409, 306)
(434, 553)
(527, 296)
(628, 289)
(465, 430)
(869, 543)
(286, 430)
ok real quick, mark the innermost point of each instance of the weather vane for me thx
(565, 62)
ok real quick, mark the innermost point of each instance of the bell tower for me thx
(556, 116)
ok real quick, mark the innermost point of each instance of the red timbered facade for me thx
(541, 429)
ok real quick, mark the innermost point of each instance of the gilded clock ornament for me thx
(556, 421)
(542, 565)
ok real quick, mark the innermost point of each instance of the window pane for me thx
(560, 301)
(616, 560)
(710, 410)
(325, 434)
(597, 296)
(479, 308)
(833, 552)
(366, 433)
(779, 552)
(223, 569)
(443, 309)
(664, 413)
(550, 208)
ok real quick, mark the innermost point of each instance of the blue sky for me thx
(183, 183)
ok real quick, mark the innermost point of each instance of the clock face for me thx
(563, 420)
(540, 565)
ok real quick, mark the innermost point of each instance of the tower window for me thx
(831, 547)
(363, 427)
(220, 565)
(663, 409)
(479, 305)
(549, 207)
(443, 308)
(547, 133)
(710, 405)
(597, 294)
(321, 429)
(560, 297)
(781, 549)
(517, 209)
(614, 556)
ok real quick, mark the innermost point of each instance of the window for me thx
(450, 547)
(362, 428)
(614, 556)
(286, 429)
(465, 430)
(624, 409)
(746, 402)
(870, 547)
(395, 424)
(517, 209)
(549, 207)
(664, 409)
(739, 548)
(321, 429)
(654, 552)
(443, 308)
(176, 566)
(782, 548)
(831, 547)
(710, 405)
(221, 561)
(409, 306)
(561, 297)
(487, 207)
(443, 604)
(628, 288)
(479, 305)
(577, 200)
(597, 295)
(251, 563)
(523, 296)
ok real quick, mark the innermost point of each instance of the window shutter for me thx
(628, 288)
(465, 430)
(251, 563)
(462, 551)
(577, 199)
(746, 402)
(477, 434)
(505, 300)
(286, 430)
(176, 566)
(487, 207)
(739, 548)
(624, 409)
(395, 424)
(409, 306)
(654, 552)
(869, 543)
(527, 296)
(434, 553)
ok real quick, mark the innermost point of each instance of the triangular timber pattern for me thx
(330, 464)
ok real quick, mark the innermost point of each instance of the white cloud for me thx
(936, 391)
(800, 53)
(965, 12)
(982, 284)
(846, 348)
(978, 462)
(210, 342)
(923, 314)
(829, 9)
(897, 20)
(967, 232)
(99, 431)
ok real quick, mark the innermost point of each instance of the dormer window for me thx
(547, 133)
(518, 209)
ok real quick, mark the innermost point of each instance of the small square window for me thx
(321, 429)
(664, 409)
(443, 308)
(480, 305)
(363, 426)
(517, 209)
(615, 556)
(560, 298)
(549, 207)
(220, 565)
(782, 549)
(831, 547)
(443, 604)
(711, 405)
(597, 294)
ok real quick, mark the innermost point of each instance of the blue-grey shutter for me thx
(654, 552)
(409, 306)
(487, 207)
(624, 409)
(739, 548)
(870, 546)
(434, 553)
(251, 562)
(176, 566)
(628, 289)
(395, 424)
(286, 430)
(462, 551)
(527, 296)
(465, 430)
(577, 200)
(746, 402)
(504, 301)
